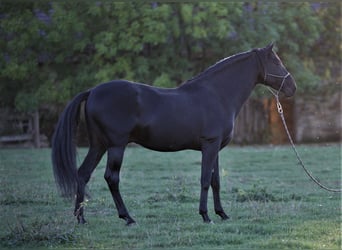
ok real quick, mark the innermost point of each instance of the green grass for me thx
(272, 203)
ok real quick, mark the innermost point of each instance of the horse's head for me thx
(274, 72)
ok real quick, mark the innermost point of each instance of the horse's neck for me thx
(234, 85)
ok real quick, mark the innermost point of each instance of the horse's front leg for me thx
(215, 185)
(209, 157)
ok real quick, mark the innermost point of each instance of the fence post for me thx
(36, 129)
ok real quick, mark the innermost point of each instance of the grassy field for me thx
(272, 203)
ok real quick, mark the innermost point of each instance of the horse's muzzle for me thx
(290, 86)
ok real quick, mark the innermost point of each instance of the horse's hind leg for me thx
(84, 172)
(112, 176)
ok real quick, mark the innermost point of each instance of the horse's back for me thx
(124, 98)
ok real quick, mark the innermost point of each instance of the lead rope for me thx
(281, 113)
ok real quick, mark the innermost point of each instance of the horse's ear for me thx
(270, 46)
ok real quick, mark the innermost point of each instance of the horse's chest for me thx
(220, 129)
(226, 139)
(222, 124)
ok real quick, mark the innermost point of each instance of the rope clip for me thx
(280, 108)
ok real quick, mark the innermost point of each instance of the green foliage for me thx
(163, 81)
(52, 50)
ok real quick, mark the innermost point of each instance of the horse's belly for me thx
(168, 147)
(166, 138)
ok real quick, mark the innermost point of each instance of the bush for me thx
(257, 193)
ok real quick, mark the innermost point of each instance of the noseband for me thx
(276, 94)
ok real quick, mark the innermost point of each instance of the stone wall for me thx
(310, 119)
(318, 118)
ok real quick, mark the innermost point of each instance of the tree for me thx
(327, 50)
(52, 50)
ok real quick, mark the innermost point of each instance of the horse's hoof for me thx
(206, 218)
(130, 223)
(209, 222)
(81, 220)
(128, 219)
(223, 215)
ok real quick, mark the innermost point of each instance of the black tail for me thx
(64, 147)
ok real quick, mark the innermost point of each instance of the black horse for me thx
(198, 115)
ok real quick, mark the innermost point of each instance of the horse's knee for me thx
(206, 183)
(205, 186)
(112, 179)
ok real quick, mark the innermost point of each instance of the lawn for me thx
(271, 202)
